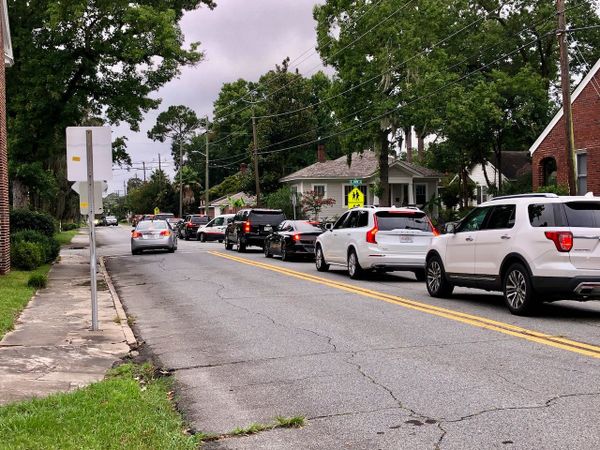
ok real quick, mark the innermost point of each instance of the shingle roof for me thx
(515, 164)
(363, 165)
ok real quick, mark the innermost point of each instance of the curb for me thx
(127, 332)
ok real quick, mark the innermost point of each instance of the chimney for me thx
(243, 168)
(321, 155)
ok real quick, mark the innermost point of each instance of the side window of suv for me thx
(475, 219)
(363, 219)
(340, 222)
(352, 220)
(501, 217)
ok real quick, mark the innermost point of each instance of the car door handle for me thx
(469, 239)
(505, 236)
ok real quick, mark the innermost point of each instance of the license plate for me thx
(406, 239)
(268, 228)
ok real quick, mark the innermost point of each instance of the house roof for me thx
(515, 164)
(363, 165)
(224, 201)
(588, 78)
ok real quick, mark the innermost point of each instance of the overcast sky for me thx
(240, 39)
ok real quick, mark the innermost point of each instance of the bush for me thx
(49, 245)
(37, 281)
(69, 226)
(26, 255)
(24, 219)
(559, 189)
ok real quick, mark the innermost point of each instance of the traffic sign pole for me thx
(91, 211)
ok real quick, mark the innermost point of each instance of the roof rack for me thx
(538, 195)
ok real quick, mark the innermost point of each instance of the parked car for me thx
(376, 239)
(215, 229)
(292, 238)
(189, 227)
(174, 222)
(153, 235)
(251, 227)
(109, 220)
(164, 216)
(532, 248)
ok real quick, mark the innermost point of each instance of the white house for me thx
(410, 184)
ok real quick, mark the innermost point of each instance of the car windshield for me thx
(147, 225)
(199, 219)
(164, 216)
(401, 220)
(583, 214)
(266, 217)
(305, 227)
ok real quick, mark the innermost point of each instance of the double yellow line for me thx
(477, 321)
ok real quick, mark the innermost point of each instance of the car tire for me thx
(320, 262)
(420, 274)
(135, 252)
(267, 250)
(171, 249)
(518, 291)
(435, 279)
(354, 270)
(240, 246)
(186, 236)
(285, 256)
(202, 237)
(220, 241)
(228, 245)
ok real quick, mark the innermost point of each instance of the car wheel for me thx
(268, 250)
(202, 237)
(220, 241)
(240, 246)
(285, 256)
(228, 245)
(171, 249)
(322, 266)
(354, 270)
(420, 274)
(135, 252)
(518, 291)
(435, 277)
(186, 236)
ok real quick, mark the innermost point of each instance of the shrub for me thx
(69, 226)
(24, 219)
(37, 281)
(49, 245)
(560, 189)
(26, 255)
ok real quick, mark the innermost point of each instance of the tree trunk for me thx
(421, 146)
(409, 143)
(485, 174)
(384, 150)
(498, 153)
(20, 197)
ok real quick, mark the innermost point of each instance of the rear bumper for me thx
(302, 250)
(212, 236)
(254, 239)
(151, 244)
(575, 288)
(393, 262)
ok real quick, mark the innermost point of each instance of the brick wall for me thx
(4, 215)
(586, 127)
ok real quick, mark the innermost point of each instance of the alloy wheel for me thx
(516, 289)
(352, 264)
(434, 276)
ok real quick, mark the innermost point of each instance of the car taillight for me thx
(247, 227)
(372, 232)
(434, 230)
(136, 234)
(296, 237)
(189, 224)
(562, 239)
(165, 233)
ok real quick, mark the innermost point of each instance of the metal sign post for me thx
(91, 211)
(294, 202)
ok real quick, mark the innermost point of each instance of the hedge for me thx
(25, 219)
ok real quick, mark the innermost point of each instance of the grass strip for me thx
(130, 409)
(65, 237)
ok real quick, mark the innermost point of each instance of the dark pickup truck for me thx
(251, 227)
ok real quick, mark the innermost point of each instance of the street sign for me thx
(76, 153)
(156, 211)
(356, 199)
(356, 182)
(82, 189)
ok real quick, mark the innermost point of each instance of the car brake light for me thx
(165, 233)
(434, 230)
(189, 224)
(136, 234)
(562, 239)
(247, 226)
(296, 237)
(372, 232)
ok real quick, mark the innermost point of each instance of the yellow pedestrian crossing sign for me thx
(356, 199)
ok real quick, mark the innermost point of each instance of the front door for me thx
(460, 250)
(493, 240)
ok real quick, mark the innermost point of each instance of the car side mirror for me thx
(329, 226)
(450, 228)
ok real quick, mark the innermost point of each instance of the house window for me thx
(348, 188)
(581, 173)
(420, 194)
(482, 194)
(549, 171)
(319, 189)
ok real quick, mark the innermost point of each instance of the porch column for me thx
(411, 193)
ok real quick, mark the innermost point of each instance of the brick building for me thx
(549, 157)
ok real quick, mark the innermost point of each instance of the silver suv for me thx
(533, 247)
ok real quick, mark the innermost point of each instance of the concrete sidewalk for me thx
(52, 348)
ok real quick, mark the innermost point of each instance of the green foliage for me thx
(48, 244)
(25, 219)
(70, 226)
(157, 192)
(281, 199)
(37, 281)
(26, 255)
(554, 189)
(233, 184)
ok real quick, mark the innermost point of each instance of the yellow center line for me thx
(477, 321)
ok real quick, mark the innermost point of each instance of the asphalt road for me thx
(372, 364)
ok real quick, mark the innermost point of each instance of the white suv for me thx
(382, 239)
(532, 247)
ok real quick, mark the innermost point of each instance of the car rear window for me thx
(306, 227)
(391, 220)
(200, 219)
(266, 217)
(152, 225)
(583, 214)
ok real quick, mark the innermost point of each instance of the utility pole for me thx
(256, 177)
(144, 169)
(124, 187)
(206, 181)
(181, 178)
(566, 95)
(4, 201)
(159, 164)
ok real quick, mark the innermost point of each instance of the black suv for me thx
(189, 227)
(251, 227)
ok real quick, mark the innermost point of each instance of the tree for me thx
(76, 59)
(312, 203)
(178, 123)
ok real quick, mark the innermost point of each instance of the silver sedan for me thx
(153, 235)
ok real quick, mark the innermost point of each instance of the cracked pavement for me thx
(246, 345)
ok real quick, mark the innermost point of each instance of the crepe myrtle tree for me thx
(312, 203)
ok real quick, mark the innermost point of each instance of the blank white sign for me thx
(76, 153)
